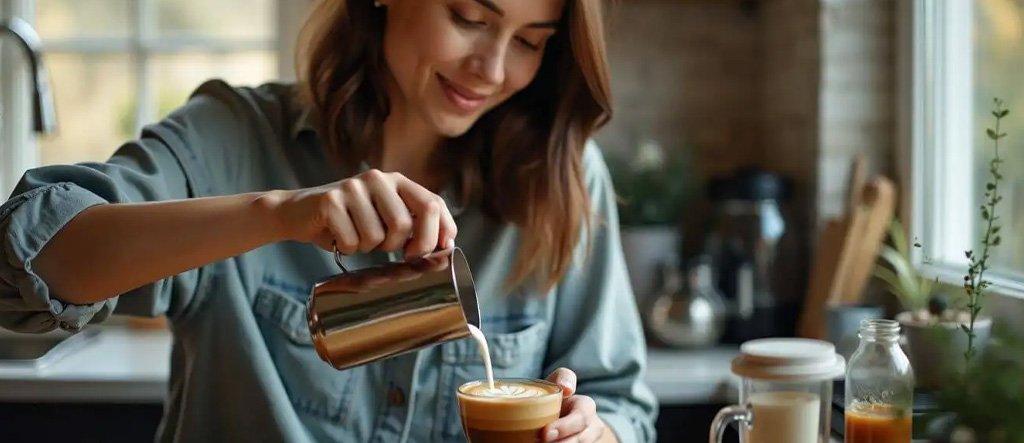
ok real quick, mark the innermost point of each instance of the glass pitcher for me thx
(786, 392)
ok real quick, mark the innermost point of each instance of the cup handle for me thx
(725, 416)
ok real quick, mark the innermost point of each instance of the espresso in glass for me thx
(513, 411)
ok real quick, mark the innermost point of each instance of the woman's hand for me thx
(579, 421)
(373, 210)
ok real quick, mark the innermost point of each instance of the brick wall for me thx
(790, 82)
(857, 94)
(795, 86)
(685, 74)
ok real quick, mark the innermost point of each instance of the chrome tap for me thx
(43, 115)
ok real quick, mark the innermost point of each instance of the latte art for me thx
(503, 390)
(513, 411)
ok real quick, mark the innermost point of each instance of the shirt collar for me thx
(305, 122)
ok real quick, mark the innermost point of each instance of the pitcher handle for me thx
(337, 256)
(726, 416)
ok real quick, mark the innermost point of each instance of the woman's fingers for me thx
(342, 231)
(390, 209)
(564, 378)
(364, 215)
(371, 211)
(433, 225)
(577, 423)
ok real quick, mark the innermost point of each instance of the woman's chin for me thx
(453, 126)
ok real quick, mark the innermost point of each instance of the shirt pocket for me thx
(517, 354)
(314, 387)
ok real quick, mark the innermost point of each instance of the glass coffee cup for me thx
(786, 392)
(515, 411)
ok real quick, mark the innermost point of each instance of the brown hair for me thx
(522, 160)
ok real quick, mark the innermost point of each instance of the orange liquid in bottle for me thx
(877, 423)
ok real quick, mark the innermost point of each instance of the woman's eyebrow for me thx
(501, 12)
(492, 6)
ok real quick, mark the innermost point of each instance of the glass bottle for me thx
(879, 387)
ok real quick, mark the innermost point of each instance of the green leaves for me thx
(992, 134)
(974, 282)
(900, 276)
(899, 238)
(654, 193)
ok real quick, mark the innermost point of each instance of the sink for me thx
(40, 350)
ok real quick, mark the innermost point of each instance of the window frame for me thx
(935, 78)
(20, 151)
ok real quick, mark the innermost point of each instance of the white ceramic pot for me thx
(937, 349)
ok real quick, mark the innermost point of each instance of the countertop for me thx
(122, 365)
(119, 365)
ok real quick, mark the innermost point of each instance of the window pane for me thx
(177, 75)
(95, 104)
(59, 19)
(249, 19)
(998, 63)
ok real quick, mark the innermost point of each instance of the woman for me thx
(413, 121)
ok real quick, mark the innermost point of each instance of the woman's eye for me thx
(461, 20)
(528, 44)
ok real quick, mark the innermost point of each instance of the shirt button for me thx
(64, 325)
(396, 396)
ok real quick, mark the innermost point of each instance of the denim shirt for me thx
(243, 367)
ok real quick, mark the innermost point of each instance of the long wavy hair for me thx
(522, 161)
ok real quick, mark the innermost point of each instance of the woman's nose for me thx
(489, 63)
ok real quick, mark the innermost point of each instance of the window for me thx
(117, 65)
(965, 53)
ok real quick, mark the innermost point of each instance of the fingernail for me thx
(552, 434)
(450, 244)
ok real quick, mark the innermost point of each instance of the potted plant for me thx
(931, 324)
(937, 332)
(985, 404)
(987, 396)
(652, 187)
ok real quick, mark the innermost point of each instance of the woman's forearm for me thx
(110, 249)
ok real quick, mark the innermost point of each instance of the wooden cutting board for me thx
(832, 256)
(879, 207)
(847, 248)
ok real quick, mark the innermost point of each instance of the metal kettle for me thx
(690, 314)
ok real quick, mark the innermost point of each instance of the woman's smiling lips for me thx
(464, 99)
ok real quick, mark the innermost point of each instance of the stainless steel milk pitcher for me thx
(357, 317)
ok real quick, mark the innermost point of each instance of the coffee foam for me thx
(513, 404)
(508, 390)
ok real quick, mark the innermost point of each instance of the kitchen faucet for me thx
(43, 115)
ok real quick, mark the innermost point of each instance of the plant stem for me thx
(976, 283)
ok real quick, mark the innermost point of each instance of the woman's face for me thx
(453, 60)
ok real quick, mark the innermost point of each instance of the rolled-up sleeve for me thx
(163, 164)
(598, 333)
